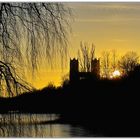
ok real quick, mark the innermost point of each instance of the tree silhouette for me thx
(9, 81)
(41, 26)
(114, 63)
(109, 63)
(128, 62)
(85, 55)
(105, 61)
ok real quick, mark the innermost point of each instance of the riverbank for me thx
(108, 107)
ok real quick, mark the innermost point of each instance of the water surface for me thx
(37, 125)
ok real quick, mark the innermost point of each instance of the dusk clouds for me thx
(107, 24)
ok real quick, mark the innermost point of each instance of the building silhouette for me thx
(76, 75)
(74, 69)
(95, 67)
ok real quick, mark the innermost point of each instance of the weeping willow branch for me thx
(43, 27)
(9, 81)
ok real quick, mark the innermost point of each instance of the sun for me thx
(116, 73)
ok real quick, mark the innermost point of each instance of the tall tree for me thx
(128, 62)
(105, 62)
(114, 63)
(41, 26)
(109, 63)
(85, 55)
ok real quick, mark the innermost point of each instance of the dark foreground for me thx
(106, 107)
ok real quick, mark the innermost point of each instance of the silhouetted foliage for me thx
(9, 81)
(34, 23)
(41, 27)
(128, 62)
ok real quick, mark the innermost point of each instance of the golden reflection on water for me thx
(27, 125)
(35, 125)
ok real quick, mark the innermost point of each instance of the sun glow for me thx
(116, 73)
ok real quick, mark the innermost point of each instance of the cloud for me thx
(106, 12)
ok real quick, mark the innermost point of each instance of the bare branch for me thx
(43, 27)
(128, 62)
(85, 55)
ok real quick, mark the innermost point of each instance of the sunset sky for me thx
(110, 26)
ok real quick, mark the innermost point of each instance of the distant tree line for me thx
(109, 60)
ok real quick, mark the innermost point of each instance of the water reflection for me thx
(35, 125)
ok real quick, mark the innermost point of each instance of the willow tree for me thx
(41, 26)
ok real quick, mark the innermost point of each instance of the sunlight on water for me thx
(37, 125)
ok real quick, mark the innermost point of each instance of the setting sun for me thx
(116, 73)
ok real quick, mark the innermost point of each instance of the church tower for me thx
(74, 69)
(95, 67)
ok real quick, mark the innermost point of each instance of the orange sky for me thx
(108, 25)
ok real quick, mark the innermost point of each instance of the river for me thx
(38, 126)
